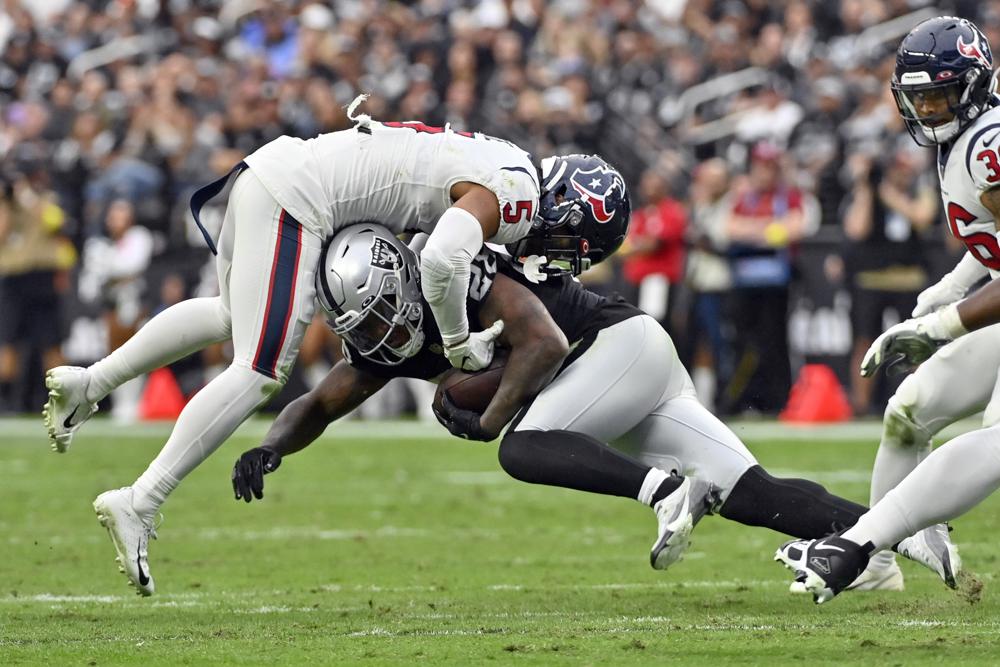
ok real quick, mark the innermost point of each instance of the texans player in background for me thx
(945, 91)
(622, 382)
(287, 199)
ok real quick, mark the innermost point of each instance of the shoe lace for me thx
(159, 522)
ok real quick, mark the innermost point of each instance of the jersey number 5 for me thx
(521, 210)
(982, 245)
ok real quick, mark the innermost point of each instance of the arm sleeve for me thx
(967, 272)
(444, 270)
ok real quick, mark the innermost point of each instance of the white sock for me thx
(206, 422)
(893, 463)
(953, 479)
(650, 484)
(173, 334)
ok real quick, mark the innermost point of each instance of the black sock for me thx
(571, 460)
(796, 507)
(668, 486)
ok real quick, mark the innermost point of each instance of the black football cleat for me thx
(824, 567)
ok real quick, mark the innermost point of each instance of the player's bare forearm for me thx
(982, 308)
(537, 349)
(304, 419)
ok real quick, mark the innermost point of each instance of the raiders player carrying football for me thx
(622, 382)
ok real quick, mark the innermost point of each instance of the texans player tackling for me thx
(944, 88)
(287, 199)
(619, 380)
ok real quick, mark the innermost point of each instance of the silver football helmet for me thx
(369, 286)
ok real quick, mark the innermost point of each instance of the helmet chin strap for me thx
(941, 133)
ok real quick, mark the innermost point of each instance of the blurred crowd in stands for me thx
(781, 210)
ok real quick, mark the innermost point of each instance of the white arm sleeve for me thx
(444, 271)
(967, 272)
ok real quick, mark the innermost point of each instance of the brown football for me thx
(472, 391)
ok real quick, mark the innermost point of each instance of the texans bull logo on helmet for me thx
(594, 186)
(384, 256)
(975, 50)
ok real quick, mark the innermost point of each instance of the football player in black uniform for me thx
(582, 371)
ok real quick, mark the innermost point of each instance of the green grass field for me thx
(376, 547)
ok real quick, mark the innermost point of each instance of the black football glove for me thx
(249, 471)
(463, 423)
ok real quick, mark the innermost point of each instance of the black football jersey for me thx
(577, 311)
(430, 361)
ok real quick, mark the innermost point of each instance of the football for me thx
(472, 391)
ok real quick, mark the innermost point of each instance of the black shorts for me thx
(30, 308)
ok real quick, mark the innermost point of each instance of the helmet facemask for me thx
(388, 328)
(555, 235)
(935, 112)
(369, 287)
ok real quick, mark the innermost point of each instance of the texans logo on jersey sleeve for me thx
(594, 186)
(976, 50)
(384, 256)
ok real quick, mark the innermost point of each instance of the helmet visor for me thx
(932, 105)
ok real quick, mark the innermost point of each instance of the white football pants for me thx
(267, 265)
(630, 389)
(961, 379)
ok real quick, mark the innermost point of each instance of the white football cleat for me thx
(67, 407)
(677, 515)
(932, 548)
(887, 578)
(130, 534)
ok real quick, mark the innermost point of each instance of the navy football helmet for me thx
(943, 79)
(583, 215)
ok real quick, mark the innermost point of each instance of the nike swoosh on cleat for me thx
(68, 422)
(143, 579)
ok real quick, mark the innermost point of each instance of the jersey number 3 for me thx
(990, 159)
(982, 245)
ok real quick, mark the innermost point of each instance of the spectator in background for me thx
(113, 275)
(818, 147)
(708, 279)
(767, 218)
(653, 253)
(888, 209)
(34, 259)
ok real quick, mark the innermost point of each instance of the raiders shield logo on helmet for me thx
(594, 186)
(384, 256)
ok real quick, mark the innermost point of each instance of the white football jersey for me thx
(967, 169)
(396, 174)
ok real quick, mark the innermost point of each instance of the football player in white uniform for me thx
(618, 380)
(944, 88)
(288, 197)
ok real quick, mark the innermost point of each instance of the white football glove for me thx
(908, 344)
(475, 352)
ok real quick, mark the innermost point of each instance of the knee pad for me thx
(900, 426)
